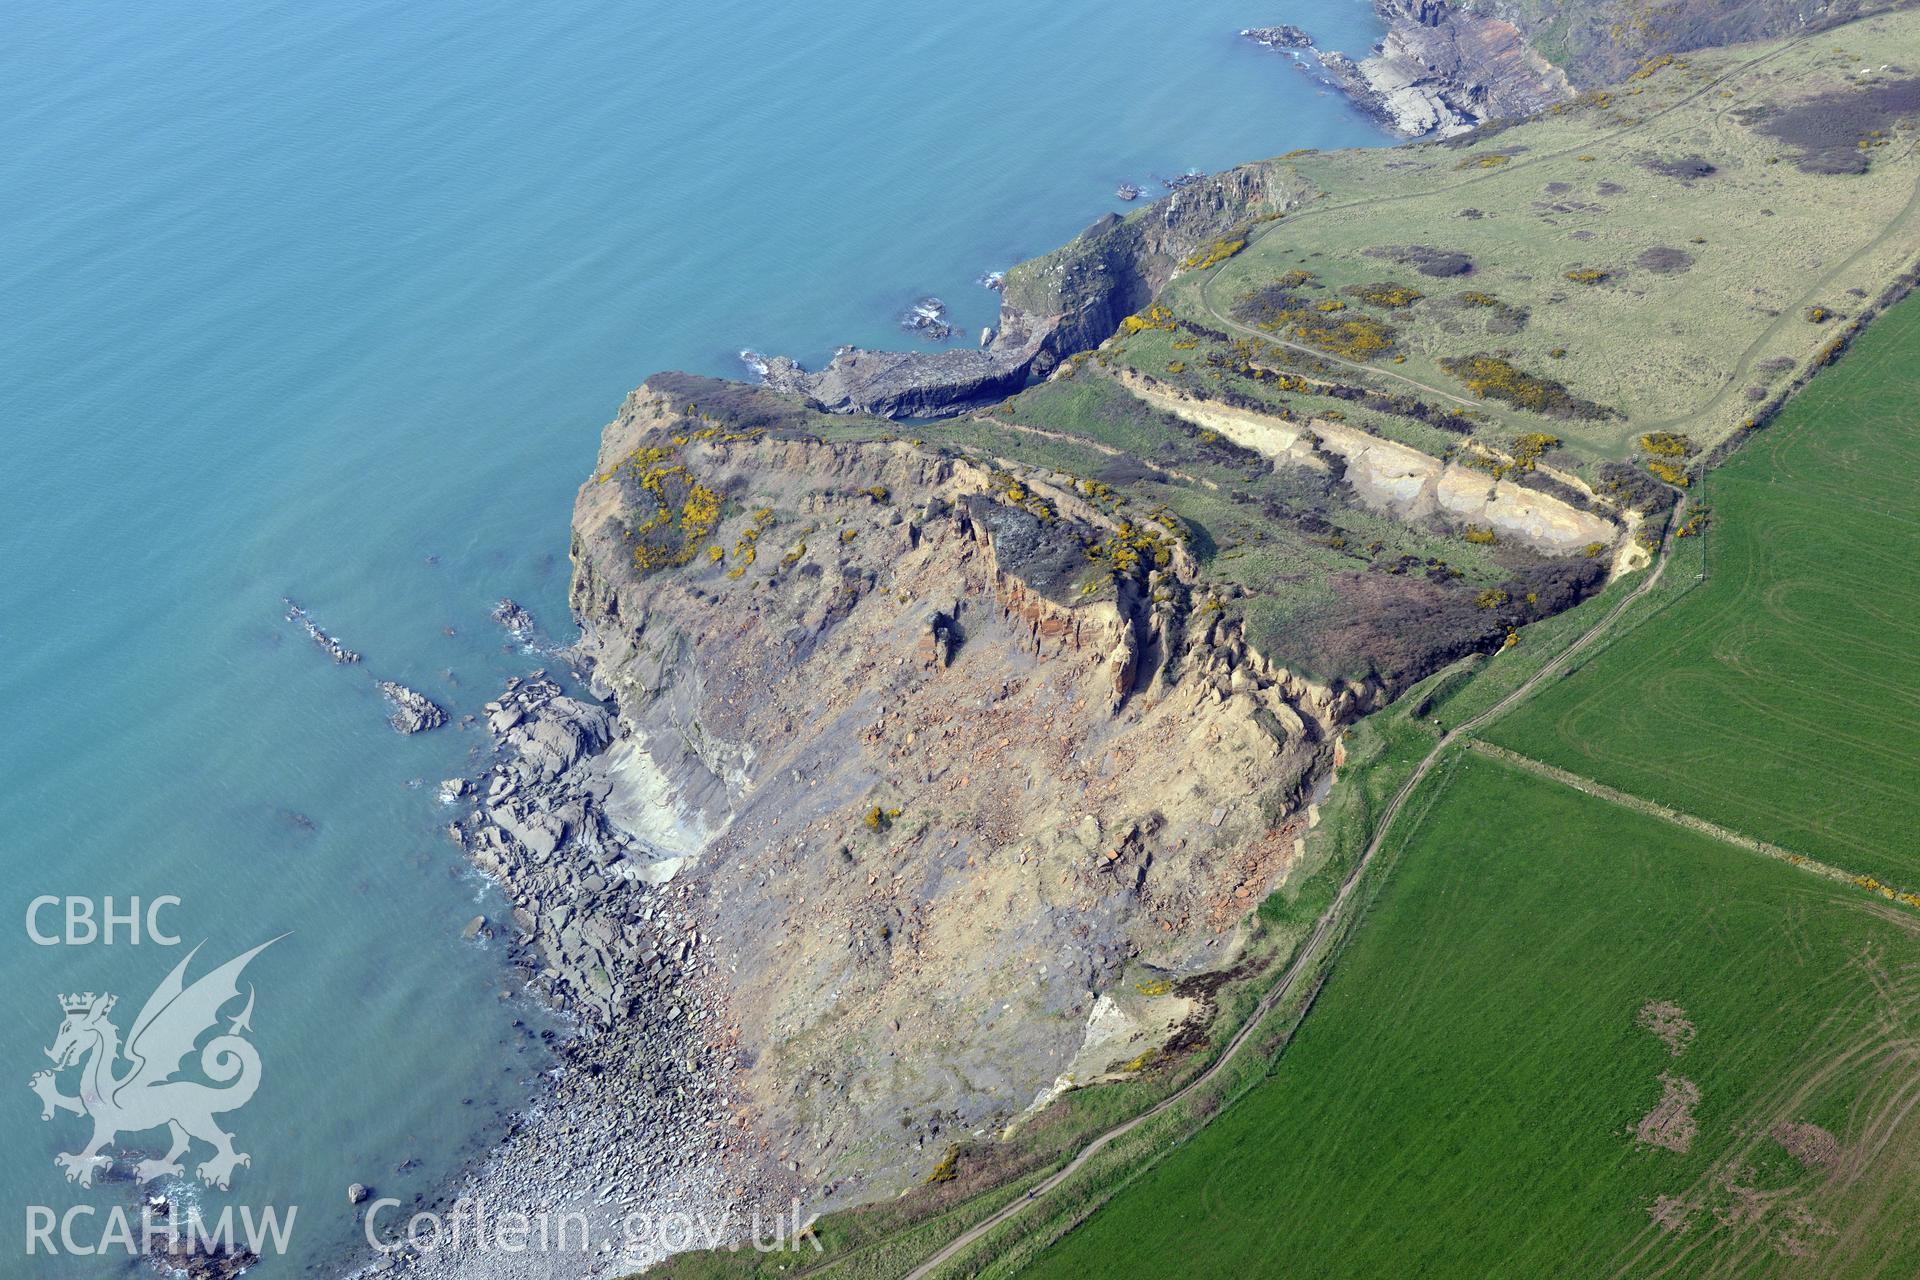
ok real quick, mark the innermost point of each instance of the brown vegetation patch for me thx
(1669, 1022)
(1287, 314)
(1665, 261)
(1384, 293)
(1398, 621)
(1502, 319)
(1670, 1125)
(1426, 259)
(1811, 1145)
(1683, 168)
(1634, 488)
(1838, 132)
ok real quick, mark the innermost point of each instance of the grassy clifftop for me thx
(1664, 256)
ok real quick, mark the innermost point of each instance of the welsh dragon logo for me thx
(144, 1095)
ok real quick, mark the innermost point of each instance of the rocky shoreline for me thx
(901, 384)
(639, 1124)
(642, 1088)
(1440, 71)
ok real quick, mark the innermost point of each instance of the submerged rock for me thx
(332, 647)
(928, 318)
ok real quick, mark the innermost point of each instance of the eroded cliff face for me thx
(941, 753)
(1443, 69)
(1448, 72)
(1397, 478)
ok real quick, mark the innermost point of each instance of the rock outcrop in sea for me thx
(328, 645)
(928, 319)
(1284, 36)
(413, 712)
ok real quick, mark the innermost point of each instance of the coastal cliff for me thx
(1441, 71)
(939, 753)
(941, 767)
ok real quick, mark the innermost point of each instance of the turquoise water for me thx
(330, 301)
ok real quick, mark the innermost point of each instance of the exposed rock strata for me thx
(951, 778)
(1397, 478)
(1440, 70)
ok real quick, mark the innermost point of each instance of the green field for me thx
(1781, 698)
(1464, 1099)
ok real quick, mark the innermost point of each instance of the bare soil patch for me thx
(1670, 1125)
(1808, 1143)
(1669, 1022)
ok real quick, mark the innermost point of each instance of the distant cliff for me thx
(1440, 70)
(1601, 41)
(1447, 66)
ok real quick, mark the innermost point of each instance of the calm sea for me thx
(330, 300)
